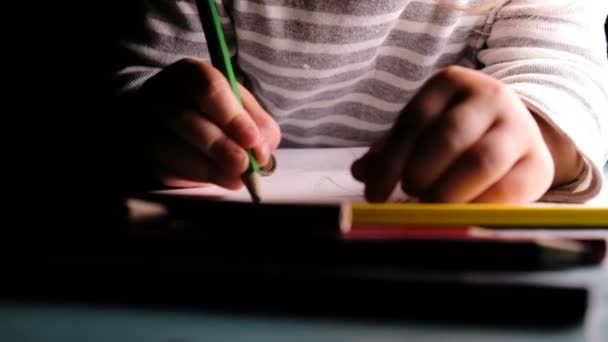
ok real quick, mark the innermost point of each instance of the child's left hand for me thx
(465, 137)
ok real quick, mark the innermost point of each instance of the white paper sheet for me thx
(302, 176)
(315, 176)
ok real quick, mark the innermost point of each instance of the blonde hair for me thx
(564, 5)
(491, 4)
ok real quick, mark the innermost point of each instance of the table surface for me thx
(33, 323)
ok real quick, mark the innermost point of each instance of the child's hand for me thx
(196, 131)
(465, 137)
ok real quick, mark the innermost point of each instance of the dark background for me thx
(64, 155)
(60, 133)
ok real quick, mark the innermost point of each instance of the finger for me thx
(478, 168)
(526, 182)
(192, 83)
(444, 141)
(182, 161)
(175, 182)
(222, 107)
(387, 165)
(360, 166)
(211, 142)
(270, 133)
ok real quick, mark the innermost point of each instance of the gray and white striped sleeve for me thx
(554, 56)
(169, 31)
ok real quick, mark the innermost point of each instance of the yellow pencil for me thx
(485, 215)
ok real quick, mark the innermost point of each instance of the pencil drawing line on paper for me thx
(325, 179)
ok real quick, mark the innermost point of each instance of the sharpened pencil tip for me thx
(256, 199)
(252, 182)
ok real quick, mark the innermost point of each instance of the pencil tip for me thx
(252, 182)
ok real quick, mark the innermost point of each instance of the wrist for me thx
(567, 161)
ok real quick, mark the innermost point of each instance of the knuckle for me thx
(452, 140)
(190, 66)
(452, 134)
(217, 148)
(486, 159)
(426, 112)
(240, 127)
(187, 62)
(450, 73)
(236, 120)
(198, 131)
(231, 157)
(496, 91)
(216, 88)
(210, 147)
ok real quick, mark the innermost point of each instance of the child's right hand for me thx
(195, 129)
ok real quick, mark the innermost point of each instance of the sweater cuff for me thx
(589, 182)
(132, 78)
(584, 188)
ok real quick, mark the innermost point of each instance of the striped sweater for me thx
(338, 72)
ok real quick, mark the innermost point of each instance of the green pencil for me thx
(220, 58)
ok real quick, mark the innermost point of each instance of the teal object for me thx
(38, 323)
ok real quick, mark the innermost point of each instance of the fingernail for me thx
(269, 167)
(265, 149)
